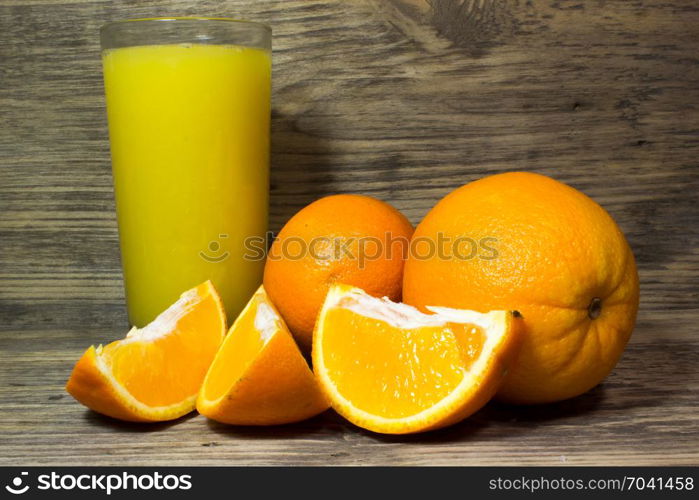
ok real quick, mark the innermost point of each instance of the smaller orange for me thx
(345, 238)
(390, 368)
(155, 373)
(259, 376)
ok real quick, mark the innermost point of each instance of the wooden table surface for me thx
(403, 100)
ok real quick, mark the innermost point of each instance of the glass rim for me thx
(121, 22)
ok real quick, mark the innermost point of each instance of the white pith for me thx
(266, 321)
(402, 315)
(167, 320)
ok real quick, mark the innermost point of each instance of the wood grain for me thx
(403, 100)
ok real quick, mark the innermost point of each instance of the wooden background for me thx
(403, 100)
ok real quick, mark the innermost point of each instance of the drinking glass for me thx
(188, 106)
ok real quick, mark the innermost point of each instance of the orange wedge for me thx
(390, 368)
(155, 373)
(259, 376)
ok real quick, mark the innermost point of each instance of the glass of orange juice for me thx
(188, 105)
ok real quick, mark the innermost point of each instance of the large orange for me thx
(527, 242)
(345, 238)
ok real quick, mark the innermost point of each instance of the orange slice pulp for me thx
(155, 373)
(259, 376)
(390, 368)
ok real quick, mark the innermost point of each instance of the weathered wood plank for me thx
(630, 419)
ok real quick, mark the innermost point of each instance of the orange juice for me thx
(189, 133)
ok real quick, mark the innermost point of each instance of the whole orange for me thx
(346, 238)
(527, 242)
